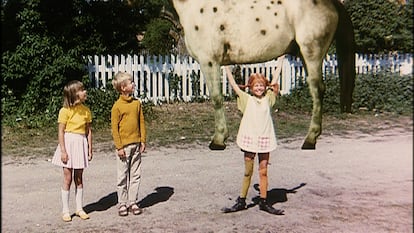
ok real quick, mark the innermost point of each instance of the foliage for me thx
(111, 27)
(93, 27)
(174, 84)
(382, 25)
(237, 75)
(157, 39)
(195, 86)
(100, 27)
(383, 92)
(299, 98)
(34, 74)
(47, 40)
(9, 11)
(100, 102)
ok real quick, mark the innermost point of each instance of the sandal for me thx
(82, 214)
(123, 210)
(66, 217)
(135, 209)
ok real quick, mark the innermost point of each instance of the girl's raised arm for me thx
(232, 82)
(277, 73)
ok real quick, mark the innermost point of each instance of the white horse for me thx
(226, 32)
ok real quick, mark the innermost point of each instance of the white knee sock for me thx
(65, 201)
(79, 199)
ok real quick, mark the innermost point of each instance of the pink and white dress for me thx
(256, 132)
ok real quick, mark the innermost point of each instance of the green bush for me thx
(35, 71)
(382, 92)
(100, 102)
(298, 99)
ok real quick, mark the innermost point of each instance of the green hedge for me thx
(383, 92)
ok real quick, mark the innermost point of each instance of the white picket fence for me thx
(153, 74)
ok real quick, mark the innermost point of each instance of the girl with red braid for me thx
(256, 134)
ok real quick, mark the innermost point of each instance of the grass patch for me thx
(188, 123)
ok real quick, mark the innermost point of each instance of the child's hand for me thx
(275, 88)
(90, 156)
(64, 157)
(121, 153)
(142, 147)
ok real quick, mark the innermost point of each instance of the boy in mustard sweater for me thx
(128, 132)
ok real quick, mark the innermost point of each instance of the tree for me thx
(35, 71)
(10, 39)
(46, 41)
(381, 25)
(157, 39)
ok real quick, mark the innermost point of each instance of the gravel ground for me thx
(354, 183)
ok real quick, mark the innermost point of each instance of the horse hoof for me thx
(214, 146)
(308, 146)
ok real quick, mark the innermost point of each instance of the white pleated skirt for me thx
(77, 149)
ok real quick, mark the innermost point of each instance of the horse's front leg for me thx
(212, 76)
(317, 90)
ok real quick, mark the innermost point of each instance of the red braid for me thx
(255, 78)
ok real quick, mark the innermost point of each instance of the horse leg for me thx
(314, 44)
(316, 89)
(212, 76)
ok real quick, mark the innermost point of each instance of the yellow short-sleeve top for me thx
(75, 118)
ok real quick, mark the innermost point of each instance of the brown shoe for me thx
(123, 210)
(135, 209)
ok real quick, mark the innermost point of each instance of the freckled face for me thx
(258, 89)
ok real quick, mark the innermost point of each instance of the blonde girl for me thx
(75, 145)
(256, 135)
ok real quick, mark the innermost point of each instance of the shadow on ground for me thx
(104, 203)
(275, 195)
(161, 194)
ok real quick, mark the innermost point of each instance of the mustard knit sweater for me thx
(127, 122)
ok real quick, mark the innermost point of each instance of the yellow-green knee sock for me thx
(248, 172)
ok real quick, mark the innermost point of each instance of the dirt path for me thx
(361, 183)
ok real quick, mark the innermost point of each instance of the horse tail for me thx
(345, 50)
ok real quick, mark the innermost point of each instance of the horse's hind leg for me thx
(316, 89)
(314, 44)
(212, 76)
